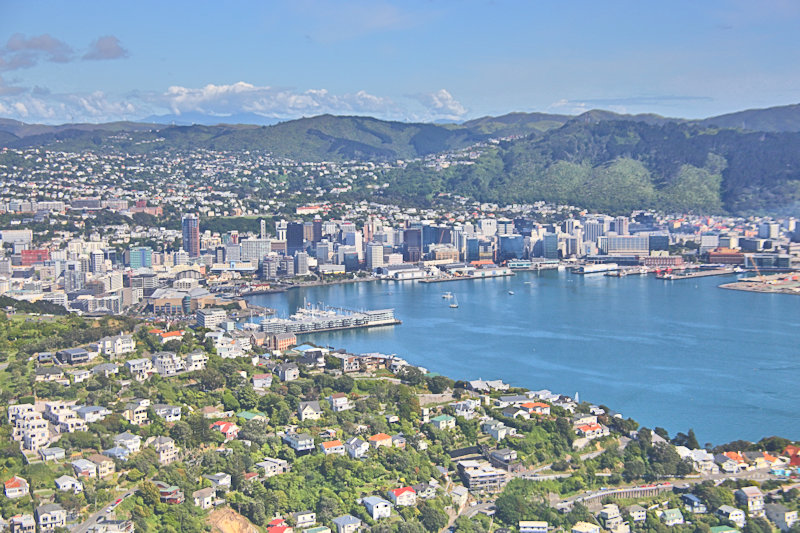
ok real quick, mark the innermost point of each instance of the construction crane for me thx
(755, 266)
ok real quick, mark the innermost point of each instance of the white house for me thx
(377, 507)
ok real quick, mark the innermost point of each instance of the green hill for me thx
(617, 166)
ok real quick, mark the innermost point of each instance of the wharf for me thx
(464, 278)
(697, 274)
(394, 322)
(776, 284)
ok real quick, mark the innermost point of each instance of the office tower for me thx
(140, 257)
(621, 226)
(280, 230)
(181, 257)
(323, 252)
(356, 240)
(263, 232)
(550, 246)
(488, 226)
(190, 224)
(255, 249)
(374, 255)
(317, 230)
(308, 231)
(97, 262)
(593, 230)
(233, 252)
(301, 264)
(294, 238)
(505, 226)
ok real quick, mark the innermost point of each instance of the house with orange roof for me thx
(380, 439)
(167, 336)
(228, 429)
(536, 408)
(793, 453)
(332, 447)
(592, 431)
(404, 496)
(16, 487)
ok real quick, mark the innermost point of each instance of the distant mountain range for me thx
(740, 162)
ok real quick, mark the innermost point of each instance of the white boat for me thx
(447, 295)
(454, 305)
(511, 293)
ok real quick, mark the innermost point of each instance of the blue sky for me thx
(427, 60)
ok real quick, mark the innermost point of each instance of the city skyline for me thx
(417, 61)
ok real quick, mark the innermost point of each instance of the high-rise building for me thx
(550, 246)
(374, 255)
(621, 226)
(97, 262)
(190, 224)
(233, 252)
(255, 249)
(263, 233)
(323, 252)
(181, 257)
(301, 264)
(295, 239)
(140, 257)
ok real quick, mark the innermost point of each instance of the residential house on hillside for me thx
(299, 442)
(262, 381)
(128, 440)
(356, 448)
(444, 422)
(309, 411)
(136, 411)
(204, 498)
(49, 516)
(170, 413)
(377, 507)
(16, 487)
(273, 466)
(732, 514)
(347, 524)
(380, 439)
(68, 484)
(117, 345)
(339, 402)
(752, 498)
(403, 496)
(228, 429)
(288, 371)
(332, 447)
(165, 447)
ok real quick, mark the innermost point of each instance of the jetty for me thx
(672, 276)
(774, 284)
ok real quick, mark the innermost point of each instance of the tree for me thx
(344, 384)
(432, 518)
(149, 494)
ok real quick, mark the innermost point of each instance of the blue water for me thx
(680, 354)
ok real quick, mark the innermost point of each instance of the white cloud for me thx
(441, 104)
(270, 101)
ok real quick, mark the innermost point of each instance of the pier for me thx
(697, 274)
(775, 284)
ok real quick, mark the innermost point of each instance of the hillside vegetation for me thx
(617, 166)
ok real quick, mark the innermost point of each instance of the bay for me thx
(676, 354)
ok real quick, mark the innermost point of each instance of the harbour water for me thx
(676, 354)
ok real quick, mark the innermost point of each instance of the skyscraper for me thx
(294, 238)
(190, 224)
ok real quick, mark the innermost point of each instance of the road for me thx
(92, 520)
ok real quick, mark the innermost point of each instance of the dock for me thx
(444, 279)
(775, 284)
(696, 274)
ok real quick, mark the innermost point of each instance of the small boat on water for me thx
(447, 295)
(511, 293)
(454, 303)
